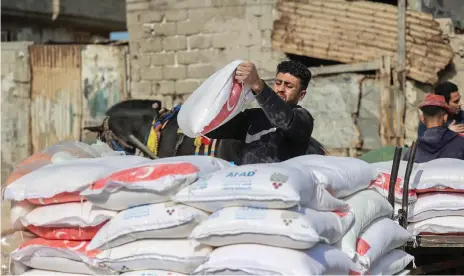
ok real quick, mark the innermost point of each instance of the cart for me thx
(434, 254)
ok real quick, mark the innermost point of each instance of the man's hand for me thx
(246, 72)
(456, 128)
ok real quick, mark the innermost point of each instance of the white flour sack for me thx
(152, 273)
(276, 186)
(382, 182)
(431, 205)
(281, 228)
(67, 176)
(217, 100)
(256, 259)
(181, 256)
(56, 255)
(156, 181)
(37, 272)
(18, 210)
(391, 263)
(67, 221)
(154, 221)
(440, 175)
(341, 176)
(206, 164)
(367, 206)
(380, 237)
(450, 225)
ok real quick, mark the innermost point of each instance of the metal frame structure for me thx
(440, 252)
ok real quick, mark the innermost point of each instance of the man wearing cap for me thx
(438, 140)
(455, 121)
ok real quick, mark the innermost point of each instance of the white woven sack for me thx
(154, 221)
(67, 176)
(217, 100)
(206, 164)
(281, 228)
(391, 263)
(181, 256)
(443, 174)
(152, 273)
(276, 186)
(382, 182)
(19, 209)
(257, 259)
(367, 206)
(380, 237)
(431, 205)
(341, 176)
(438, 225)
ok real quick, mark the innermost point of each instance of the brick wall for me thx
(177, 44)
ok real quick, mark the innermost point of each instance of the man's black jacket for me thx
(273, 133)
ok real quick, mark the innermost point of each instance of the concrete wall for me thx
(176, 44)
(15, 107)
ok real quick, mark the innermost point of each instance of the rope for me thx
(111, 138)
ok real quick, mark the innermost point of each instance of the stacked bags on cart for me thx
(439, 209)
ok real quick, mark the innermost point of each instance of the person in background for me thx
(455, 121)
(438, 141)
(280, 129)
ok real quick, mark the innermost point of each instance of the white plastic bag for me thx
(276, 186)
(380, 237)
(68, 176)
(441, 175)
(367, 206)
(431, 205)
(341, 176)
(451, 225)
(154, 221)
(256, 259)
(382, 182)
(152, 273)
(391, 263)
(175, 255)
(281, 228)
(217, 100)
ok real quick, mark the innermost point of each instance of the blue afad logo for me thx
(240, 174)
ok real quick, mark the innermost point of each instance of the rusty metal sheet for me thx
(103, 80)
(56, 98)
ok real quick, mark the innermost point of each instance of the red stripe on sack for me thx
(362, 247)
(340, 214)
(353, 272)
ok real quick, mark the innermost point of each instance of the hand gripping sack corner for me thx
(214, 102)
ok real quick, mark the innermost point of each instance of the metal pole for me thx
(136, 142)
(401, 68)
(394, 176)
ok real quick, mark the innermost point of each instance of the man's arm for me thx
(234, 129)
(296, 123)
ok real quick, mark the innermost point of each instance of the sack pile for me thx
(439, 209)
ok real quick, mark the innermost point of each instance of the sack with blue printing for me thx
(274, 186)
(280, 228)
(153, 221)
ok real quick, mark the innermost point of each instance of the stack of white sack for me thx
(373, 238)
(63, 221)
(439, 209)
(278, 218)
(150, 233)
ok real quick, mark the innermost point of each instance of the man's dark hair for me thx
(433, 111)
(445, 89)
(296, 69)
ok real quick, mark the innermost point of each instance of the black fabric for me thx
(438, 142)
(293, 128)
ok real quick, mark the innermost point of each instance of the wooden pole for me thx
(401, 71)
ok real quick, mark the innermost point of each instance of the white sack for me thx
(37, 272)
(67, 176)
(256, 259)
(379, 238)
(181, 256)
(154, 221)
(391, 263)
(152, 273)
(217, 100)
(206, 163)
(73, 214)
(438, 225)
(367, 206)
(275, 186)
(382, 182)
(281, 228)
(431, 205)
(443, 174)
(19, 209)
(125, 198)
(341, 176)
